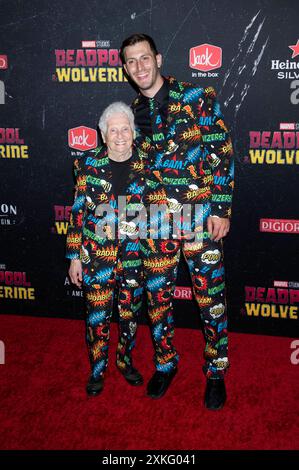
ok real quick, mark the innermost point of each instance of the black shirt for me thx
(120, 177)
(142, 116)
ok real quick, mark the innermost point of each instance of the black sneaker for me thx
(159, 383)
(132, 376)
(215, 394)
(94, 386)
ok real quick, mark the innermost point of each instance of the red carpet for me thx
(43, 404)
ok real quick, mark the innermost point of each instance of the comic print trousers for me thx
(205, 263)
(99, 305)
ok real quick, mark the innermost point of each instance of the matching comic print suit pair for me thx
(189, 161)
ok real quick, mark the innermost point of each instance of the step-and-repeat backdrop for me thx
(60, 66)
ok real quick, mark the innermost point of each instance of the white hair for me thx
(114, 108)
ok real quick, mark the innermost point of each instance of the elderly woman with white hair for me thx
(101, 259)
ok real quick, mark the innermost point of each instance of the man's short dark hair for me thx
(134, 39)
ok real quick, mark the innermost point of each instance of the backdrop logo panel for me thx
(279, 226)
(274, 147)
(82, 138)
(11, 144)
(61, 219)
(2, 92)
(260, 75)
(71, 290)
(273, 302)
(3, 62)
(15, 285)
(3, 66)
(89, 64)
(183, 293)
(10, 214)
(205, 58)
(289, 70)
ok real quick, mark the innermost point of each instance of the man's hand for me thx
(218, 227)
(75, 272)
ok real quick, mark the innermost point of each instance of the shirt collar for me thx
(161, 96)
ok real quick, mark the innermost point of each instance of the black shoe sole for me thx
(215, 409)
(134, 384)
(93, 394)
(156, 397)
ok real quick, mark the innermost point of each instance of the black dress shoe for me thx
(94, 386)
(215, 394)
(132, 376)
(159, 383)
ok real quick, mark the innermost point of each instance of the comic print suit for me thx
(106, 258)
(189, 161)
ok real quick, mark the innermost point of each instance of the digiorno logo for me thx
(205, 58)
(280, 301)
(279, 225)
(275, 147)
(95, 61)
(183, 293)
(82, 138)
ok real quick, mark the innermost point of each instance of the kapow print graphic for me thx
(134, 188)
(125, 297)
(221, 342)
(165, 367)
(164, 295)
(169, 246)
(193, 154)
(96, 317)
(97, 349)
(79, 203)
(159, 265)
(200, 282)
(74, 241)
(102, 331)
(154, 285)
(158, 332)
(103, 276)
(222, 326)
(108, 253)
(99, 368)
(192, 95)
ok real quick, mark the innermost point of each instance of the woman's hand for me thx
(75, 272)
